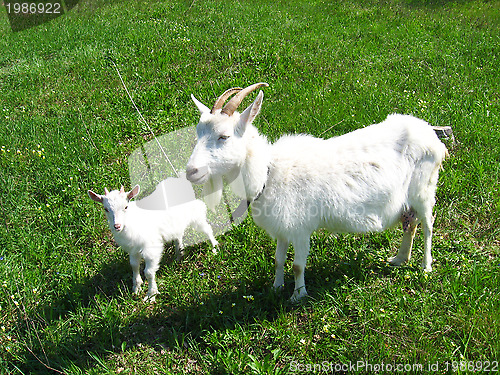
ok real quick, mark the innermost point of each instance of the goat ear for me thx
(106, 191)
(95, 197)
(212, 192)
(201, 107)
(249, 115)
(132, 193)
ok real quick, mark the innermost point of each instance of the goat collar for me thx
(262, 190)
(243, 206)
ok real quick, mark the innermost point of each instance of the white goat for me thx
(142, 233)
(367, 180)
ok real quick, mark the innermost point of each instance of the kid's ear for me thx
(249, 114)
(132, 193)
(95, 197)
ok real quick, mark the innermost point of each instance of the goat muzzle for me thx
(196, 175)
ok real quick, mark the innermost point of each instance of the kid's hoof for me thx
(150, 299)
(427, 267)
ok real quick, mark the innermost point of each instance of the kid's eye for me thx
(223, 137)
(126, 207)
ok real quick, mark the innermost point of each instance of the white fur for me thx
(362, 181)
(142, 233)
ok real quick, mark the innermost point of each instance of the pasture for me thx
(67, 125)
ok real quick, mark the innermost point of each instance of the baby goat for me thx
(142, 233)
(366, 180)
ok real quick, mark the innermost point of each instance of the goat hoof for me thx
(278, 287)
(395, 261)
(136, 289)
(298, 297)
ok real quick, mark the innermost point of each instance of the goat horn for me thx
(231, 106)
(221, 99)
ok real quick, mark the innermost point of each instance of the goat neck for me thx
(255, 168)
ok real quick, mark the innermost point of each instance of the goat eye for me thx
(223, 137)
(106, 210)
(126, 207)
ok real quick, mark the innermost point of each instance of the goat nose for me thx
(197, 175)
(117, 226)
(191, 172)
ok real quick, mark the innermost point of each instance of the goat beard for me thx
(212, 192)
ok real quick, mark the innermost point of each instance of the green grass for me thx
(68, 126)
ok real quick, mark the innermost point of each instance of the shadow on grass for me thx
(163, 326)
